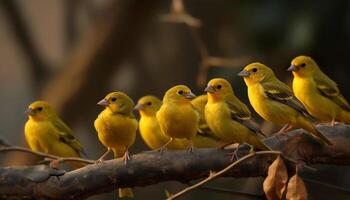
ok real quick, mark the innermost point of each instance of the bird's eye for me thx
(180, 92)
(114, 99)
(149, 103)
(302, 65)
(40, 108)
(254, 69)
(219, 87)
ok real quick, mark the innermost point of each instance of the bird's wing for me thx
(329, 89)
(240, 113)
(280, 92)
(66, 135)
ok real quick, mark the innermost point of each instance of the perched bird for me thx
(155, 138)
(319, 94)
(116, 128)
(274, 101)
(149, 127)
(177, 117)
(205, 138)
(228, 117)
(46, 132)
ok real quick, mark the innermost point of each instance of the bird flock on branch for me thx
(216, 119)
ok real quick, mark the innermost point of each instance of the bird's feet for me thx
(190, 150)
(284, 129)
(126, 157)
(102, 158)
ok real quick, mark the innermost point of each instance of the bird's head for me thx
(40, 110)
(118, 102)
(148, 105)
(256, 73)
(303, 66)
(218, 88)
(179, 94)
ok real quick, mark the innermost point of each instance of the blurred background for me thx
(72, 53)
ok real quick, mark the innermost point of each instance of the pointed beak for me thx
(139, 106)
(29, 112)
(103, 102)
(244, 73)
(209, 89)
(293, 68)
(190, 95)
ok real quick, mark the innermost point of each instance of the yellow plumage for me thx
(274, 101)
(177, 117)
(116, 127)
(319, 94)
(149, 126)
(153, 136)
(228, 117)
(46, 132)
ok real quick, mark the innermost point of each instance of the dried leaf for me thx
(276, 180)
(296, 189)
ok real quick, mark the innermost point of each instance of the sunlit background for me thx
(71, 53)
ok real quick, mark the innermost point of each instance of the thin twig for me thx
(40, 154)
(214, 175)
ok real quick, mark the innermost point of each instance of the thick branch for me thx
(151, 168)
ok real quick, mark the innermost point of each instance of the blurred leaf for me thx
(276, 180)
(167, 194)
(296, 189)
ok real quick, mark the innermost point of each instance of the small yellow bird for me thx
(274, 101)
(149, 126)
(177, 117)
(228, 117)
(46, 132)
(153, 136)
(319, 94)
(116, 127)
(205, 138)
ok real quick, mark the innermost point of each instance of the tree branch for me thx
(151, 168)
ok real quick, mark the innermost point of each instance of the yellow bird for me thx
(149, 127)
(228, 117)
(274, 101)
(205, 138)
(153, 136)
(177, 117)
(319, 94)
(116, 127)
(46, 132)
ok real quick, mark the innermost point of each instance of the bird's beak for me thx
(29, 112)
(139, 106)
(209, 89)
(103, 102)
(293, 68)
(190, 95)
(244, 73)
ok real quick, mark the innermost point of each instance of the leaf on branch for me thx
(276, 180)
(296, 189)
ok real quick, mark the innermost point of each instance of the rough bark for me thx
(42, 182)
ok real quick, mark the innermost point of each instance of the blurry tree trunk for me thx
(38, 68)
(92, 63)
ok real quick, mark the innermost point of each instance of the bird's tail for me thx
(125, 192)
(345, 117)
(307, 125)
(122, 192)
